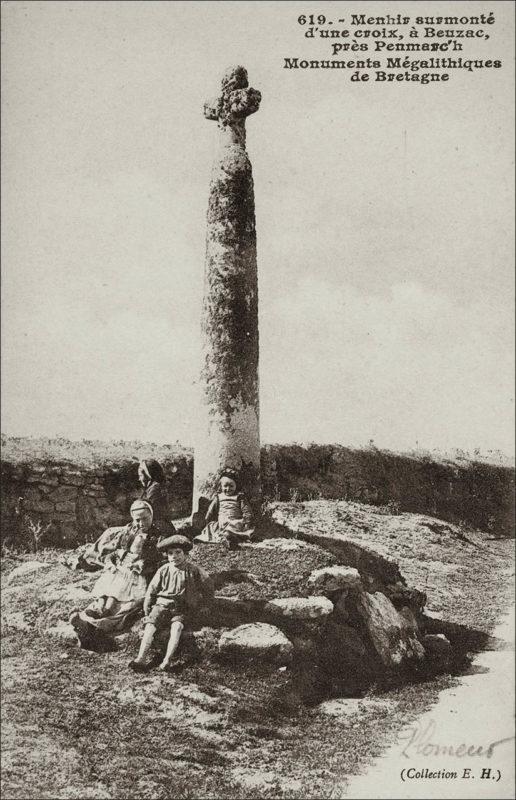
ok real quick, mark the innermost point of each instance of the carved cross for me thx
(236, 102)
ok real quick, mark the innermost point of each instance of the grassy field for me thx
(80, 725)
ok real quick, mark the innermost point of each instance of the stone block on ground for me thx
(341, 610)
(232, 610)
(256, 641)
(303, 608)
(346, 658)
(410, 618)
(392, 636)
(331, 579)
(401, 595)
(438, 649)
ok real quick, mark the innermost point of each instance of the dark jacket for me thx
(156, 495)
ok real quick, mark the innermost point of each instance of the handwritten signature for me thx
(420, 741)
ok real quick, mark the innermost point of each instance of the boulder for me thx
(406, 596)
(341, 610)
(256, 641)
(300, 607)
(392, 636)
(410, 619)
(346, 658)
(331, 579)
(438, 649)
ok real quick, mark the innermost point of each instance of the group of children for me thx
(176, 588)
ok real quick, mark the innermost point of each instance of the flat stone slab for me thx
(257, 640)
(331, 579)
(300, 607)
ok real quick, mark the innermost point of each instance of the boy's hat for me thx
(175, 541)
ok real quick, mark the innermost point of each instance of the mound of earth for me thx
(81, 724)
(271, 569)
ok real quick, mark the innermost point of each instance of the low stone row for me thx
(394, 635)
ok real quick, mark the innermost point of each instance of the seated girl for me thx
(229, 517)
(130, 557)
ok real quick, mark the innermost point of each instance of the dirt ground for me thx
(77, 724)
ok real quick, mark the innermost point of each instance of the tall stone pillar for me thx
(227, 433)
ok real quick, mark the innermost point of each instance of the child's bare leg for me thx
(146, 643)
(176, 630)
(108, 605)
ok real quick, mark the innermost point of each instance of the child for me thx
(229, 515)
(177, 588)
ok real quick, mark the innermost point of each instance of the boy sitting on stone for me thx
(177, 589)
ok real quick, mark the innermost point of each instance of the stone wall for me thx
(72, 504)
(65, 505)
(473, 492)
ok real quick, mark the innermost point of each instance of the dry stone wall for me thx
(62, 504)
(66, 504)
(476, 493)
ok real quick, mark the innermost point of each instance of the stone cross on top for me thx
(236, 102)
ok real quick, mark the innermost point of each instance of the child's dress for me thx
(228, 517)
(125, 582)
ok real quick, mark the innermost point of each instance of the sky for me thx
(384, 225)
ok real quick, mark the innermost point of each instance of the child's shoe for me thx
(137, 666)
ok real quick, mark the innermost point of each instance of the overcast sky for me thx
(384, 224)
